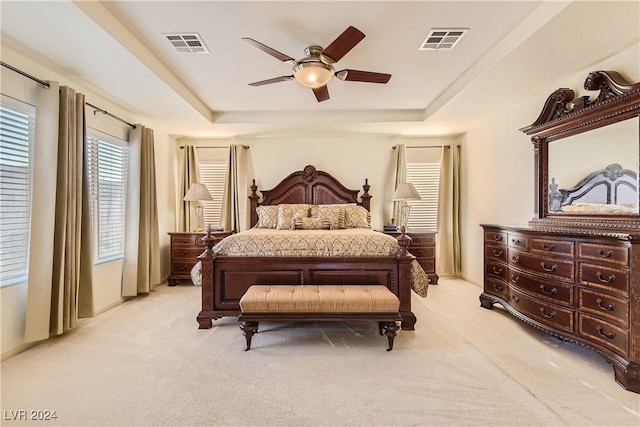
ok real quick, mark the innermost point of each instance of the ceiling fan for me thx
(315, 70)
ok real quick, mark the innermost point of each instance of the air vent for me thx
(188, 42)
(443, 39)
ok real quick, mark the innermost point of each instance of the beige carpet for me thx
(146, 363)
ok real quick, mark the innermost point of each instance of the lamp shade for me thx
(197, 192)
(406, 191)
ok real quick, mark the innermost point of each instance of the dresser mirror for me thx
(586, 154)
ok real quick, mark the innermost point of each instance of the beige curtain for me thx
(189, 174)
(45, 154)
(397, 173)
(71, 293)
(448, 237)
(141, 265)
(235, 188)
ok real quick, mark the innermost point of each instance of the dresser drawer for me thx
(187, 241)
(182, 268)
(553, 247)
(496, 270)
(496, 287)
(547, 313)
(609, 278)
(422, 251)
(495, 252)
(552, 267)
(518, 241)
(604, 306)
(495, 237)
(189, 253)
(618, 255)
(558, 293)
(605, 333)
(422, 240)
(428, 265)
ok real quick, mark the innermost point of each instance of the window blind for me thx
(426, 178)
(108, 162)
(213, 174)
(16, 165)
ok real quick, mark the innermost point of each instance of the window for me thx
(423, 171)
(213, 174)
(108, 159)
(16, 164)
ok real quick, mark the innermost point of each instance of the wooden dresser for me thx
(584, 287)
(423, 247)
(185, 248)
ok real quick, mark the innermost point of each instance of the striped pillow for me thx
(300, 223)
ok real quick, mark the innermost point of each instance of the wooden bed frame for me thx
(225, 278)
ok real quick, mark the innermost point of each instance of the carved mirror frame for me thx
(563, 116)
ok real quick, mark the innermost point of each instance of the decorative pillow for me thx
(311, 223)
(286, 214)
(267, 216)
(334, 214)
(356, 217)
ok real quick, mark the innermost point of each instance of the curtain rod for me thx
(246, 147)
(105, 112)
(29, 76)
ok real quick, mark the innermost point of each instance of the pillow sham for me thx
(267, 216)
(286, 214)
(334, 214)
(300, 223)
(356, 217)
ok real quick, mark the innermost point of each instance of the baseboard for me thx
(108, 307)
(15, 351)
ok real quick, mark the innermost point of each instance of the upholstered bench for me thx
(319, 303)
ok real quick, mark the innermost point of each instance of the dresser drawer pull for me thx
(515, 279)
(545, 291)
(182, 253)
(548, 316)
(497, 253)
(610, 307)
(548, 247)
(610, 335)
(545, 268)
(497, 287)
(515, 259)
(609, 280)
(497, 270)
(183, 240)
(497, 237)
(515, 298)
(604, 254)
(515, 241)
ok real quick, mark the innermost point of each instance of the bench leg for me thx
(248, 329)
(390, 329)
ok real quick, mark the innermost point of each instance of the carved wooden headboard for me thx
(309, 186)
(612, 185)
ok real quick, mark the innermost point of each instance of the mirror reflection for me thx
(595, 173)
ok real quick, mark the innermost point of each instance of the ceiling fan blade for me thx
(278, 55)
(273, 80)
(363, 76)
(321, 93)
(343, 44)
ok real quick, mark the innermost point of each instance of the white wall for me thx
(498, 163)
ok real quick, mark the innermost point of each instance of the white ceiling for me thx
(117, 50)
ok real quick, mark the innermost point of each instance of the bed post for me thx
(366, 197)
(253, 201)
(207, 260)
(404, 278)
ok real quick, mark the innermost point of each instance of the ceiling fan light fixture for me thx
(313, 74)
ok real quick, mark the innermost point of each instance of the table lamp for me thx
(405, 191)
(198, 193)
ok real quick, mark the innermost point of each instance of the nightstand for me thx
(185, 249)
(423, 247)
